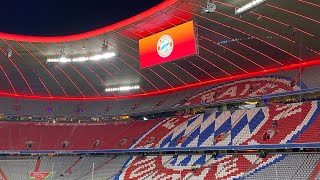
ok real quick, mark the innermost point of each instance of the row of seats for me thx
(252, 87)
(191, 167)
(280, 124)
(291, 123)
(293, 166)
(221, 167)
(17, 169)
(236, 167)
(59, 167)
(74, 136)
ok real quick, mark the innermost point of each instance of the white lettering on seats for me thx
(170, 123)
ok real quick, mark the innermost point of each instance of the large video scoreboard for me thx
(171, 44)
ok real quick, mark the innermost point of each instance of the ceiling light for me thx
(80, 59)
(102, 56)
(63, 58)
(248, 6)
(122, 88)
(125, 88)
(53, 60)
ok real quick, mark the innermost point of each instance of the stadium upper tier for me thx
(275, 35)
(276, 84)
(279, 126)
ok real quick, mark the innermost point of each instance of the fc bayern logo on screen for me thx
(165, 46)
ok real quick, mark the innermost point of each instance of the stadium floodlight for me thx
(248, 6)
(80, 59)
(64, 59)
(122, 88)
(102, 56)
(53, 60)
(125, 88)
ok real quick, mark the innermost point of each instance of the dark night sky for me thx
(63, 17)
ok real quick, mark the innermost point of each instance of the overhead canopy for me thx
(275, 36)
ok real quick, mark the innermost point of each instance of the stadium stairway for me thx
(37, 167)
(316, 172)
(69, 169)
(3, 175)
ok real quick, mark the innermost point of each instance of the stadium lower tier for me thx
(236, 167)
(288, 124)
(192, 167)
(61, 167)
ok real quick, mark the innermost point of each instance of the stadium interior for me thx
(237, 99)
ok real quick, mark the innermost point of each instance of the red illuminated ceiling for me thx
(277, 34)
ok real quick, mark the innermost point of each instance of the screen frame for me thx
(195, 37)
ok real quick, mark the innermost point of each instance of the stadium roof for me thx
(276, 35)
